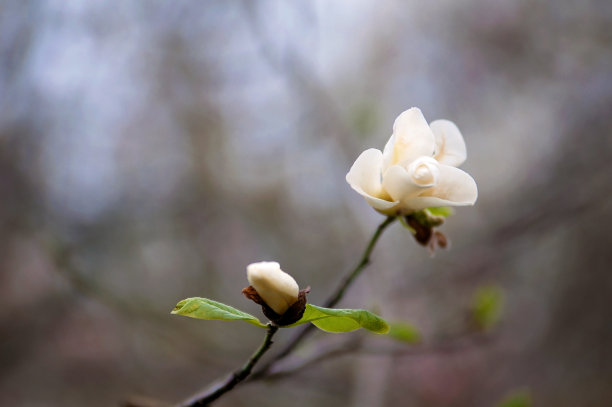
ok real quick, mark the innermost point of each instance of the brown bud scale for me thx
(293, 314)
(422, 233)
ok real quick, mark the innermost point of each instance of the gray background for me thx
(150, 150)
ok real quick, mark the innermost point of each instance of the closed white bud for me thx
(278, 289)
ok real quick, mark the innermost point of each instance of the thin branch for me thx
(213, 393)
(363, 262)
(333, 299)
(350, 346)
(443, 346)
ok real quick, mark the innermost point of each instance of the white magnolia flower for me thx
(416, 169)
(277, 288)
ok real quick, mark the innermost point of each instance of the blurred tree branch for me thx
(356, 345)
(218, 390)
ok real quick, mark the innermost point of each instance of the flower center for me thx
(423, 175)
(424, 171)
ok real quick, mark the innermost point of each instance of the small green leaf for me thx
(404, 332)
(518, 398)
(487, 306)
(427, 219)
(444, 211)
(342, 320)
(203, 308)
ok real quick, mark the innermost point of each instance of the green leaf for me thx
(444, 211)
(203, 308)
(487, 306)
(342, 320)
(404, 332)
(518, 398)
(427, 219)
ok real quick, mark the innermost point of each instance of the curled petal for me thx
(454, 188)
(381, 205)
(366, 172)
(450, 146)
(402, 184)
(365, 178)
(412, 137)
(388, 153)
(424, 171)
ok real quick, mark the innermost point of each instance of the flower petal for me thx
(388, 153)
(402, 183)
(412, 137)
(450, 146)
(454, 188)
(366, 172)
(424, 171)
(365, 178)
(381, 205)
(278, 289)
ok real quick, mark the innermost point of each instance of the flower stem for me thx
(363, 262)
(216, 391)
(331, 301)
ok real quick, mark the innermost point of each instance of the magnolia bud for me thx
(275, 287)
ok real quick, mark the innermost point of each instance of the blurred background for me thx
(150, 151)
